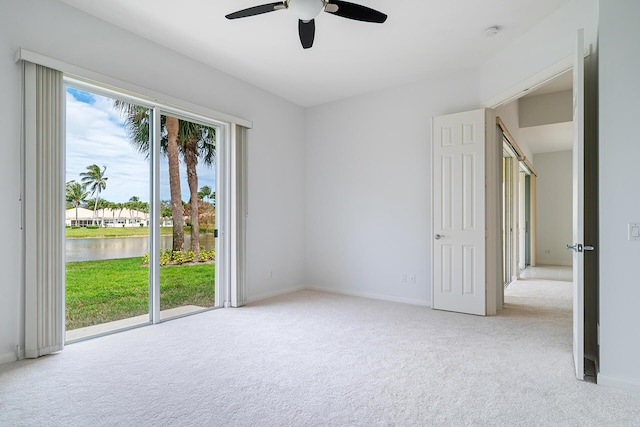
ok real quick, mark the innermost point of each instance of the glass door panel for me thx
(187, 217)
(107, 214)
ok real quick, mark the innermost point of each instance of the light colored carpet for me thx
(319, 359)
(548, 272)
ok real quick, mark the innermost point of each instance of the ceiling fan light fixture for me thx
(306, 10)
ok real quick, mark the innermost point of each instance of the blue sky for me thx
(96, 135)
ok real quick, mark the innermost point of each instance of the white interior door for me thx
(458, 212)
(578, 207)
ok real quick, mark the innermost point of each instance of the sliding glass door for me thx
(141, 212)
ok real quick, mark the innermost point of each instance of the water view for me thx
(123, 247)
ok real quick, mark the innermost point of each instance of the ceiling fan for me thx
(308, 10)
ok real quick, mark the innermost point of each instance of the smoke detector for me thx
(491, 31)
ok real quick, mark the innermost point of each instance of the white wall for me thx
(554, 207)
(276, 152)
(368, 187)
(546, 44)
(546, 109)
(368, 173)
(619, 192)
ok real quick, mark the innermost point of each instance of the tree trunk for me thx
(191, 159)
(177, 212)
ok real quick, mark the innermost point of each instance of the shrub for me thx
(168, 257)
(207, 255)
(178, 257)
(93, 227)
(165, 257)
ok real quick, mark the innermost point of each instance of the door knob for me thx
(439, 236)
(580, 248)
(577, 247)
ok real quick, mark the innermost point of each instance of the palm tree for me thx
(95, 181)
(196, 141)
(177, 211)
(208, 209)
(193, 141)
(205, 192)
(137, 122)
(76, 195)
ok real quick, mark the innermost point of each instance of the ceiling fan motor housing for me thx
(305, 10)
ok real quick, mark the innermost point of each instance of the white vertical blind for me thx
(238, 215)
(43, 195)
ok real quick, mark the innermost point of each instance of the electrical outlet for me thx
(412, 278)
(403, 277)
(270, 274)
(547, 251)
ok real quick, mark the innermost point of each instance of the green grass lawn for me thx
(103, 291)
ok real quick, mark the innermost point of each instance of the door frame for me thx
(510, 213)
(495, 289)
(511, 94)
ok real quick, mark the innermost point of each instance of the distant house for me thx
(107, 217)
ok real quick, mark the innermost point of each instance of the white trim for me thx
(370, 295)
(532, 83)
(619, 383)
(139, 94)
(493, 263)
(278, 293)
(7, 358)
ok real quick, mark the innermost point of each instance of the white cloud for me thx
(96, 135)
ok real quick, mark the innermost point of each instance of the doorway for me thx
(528, 126)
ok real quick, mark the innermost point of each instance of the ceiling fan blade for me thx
(354, 11)
(307, 31)
(257, 10)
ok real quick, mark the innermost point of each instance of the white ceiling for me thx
(420, 38)
(548, 138)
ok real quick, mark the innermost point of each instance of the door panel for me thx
(458, 220)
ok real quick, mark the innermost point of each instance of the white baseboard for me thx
(8, 358)
(372, 296)
(619, 383)
(277, 293)
(341, 292)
